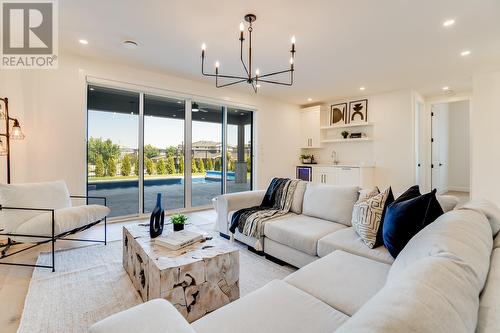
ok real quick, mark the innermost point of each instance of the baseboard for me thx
(458, 189)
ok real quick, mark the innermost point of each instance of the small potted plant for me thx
(306, 159)
(178, 221)
(344, 134)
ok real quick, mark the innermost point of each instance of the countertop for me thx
(340, 165)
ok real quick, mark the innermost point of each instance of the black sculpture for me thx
(157, 219)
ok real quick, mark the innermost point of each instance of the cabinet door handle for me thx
(325, 178)
(346, 169)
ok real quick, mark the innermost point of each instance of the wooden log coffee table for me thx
(196, 279)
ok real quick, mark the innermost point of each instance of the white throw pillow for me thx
(298, 197)
(367, 216)
(51, 195)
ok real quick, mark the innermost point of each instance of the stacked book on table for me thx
(179, 239)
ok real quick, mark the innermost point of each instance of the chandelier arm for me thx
(241, 58)
(230, 83)
(276, 73)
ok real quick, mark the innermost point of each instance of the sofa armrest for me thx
(156, 316)
(234, 201)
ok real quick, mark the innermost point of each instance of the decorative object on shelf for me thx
(248, 77)
(358, 135)
(358, 111)
(14, 133)
(306, 159)
(178, 221)
(338, 113)
(344, 134)
(157, 219)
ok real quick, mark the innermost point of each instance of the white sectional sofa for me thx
(436, 284)
(319, 222)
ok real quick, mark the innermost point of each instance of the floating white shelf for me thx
(347, 140)
(346, 126)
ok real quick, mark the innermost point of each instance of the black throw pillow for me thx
(405, 218)
(410, 193)
(379, 241)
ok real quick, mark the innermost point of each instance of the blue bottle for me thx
(157, 219)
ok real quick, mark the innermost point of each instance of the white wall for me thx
(458, 155)
(485, 137)
(51, 108)
(392, 150)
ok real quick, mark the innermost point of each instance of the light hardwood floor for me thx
(14, 280)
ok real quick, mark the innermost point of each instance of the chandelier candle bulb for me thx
(203, 48)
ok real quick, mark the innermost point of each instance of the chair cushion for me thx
(300, 232)
(52, 195)
(347, 240)
(489, 305)
(298, 197)
(404, 219)
(65, 219)
(328, 202)
(276, 307)
(342, 280)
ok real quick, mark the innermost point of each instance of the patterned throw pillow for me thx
(365, 194)
(367, 215)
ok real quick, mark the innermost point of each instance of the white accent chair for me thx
(40, 213)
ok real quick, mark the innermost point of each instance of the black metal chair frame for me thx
(52, 239)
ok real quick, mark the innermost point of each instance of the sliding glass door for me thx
(163, 152)
(112, 148)
(141, 144)
(206, 152)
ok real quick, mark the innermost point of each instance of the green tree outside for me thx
(160, 167)
(150, 151)
(181, 165)
(194, 169)
(104, 148)
(171, 151)
(136, 167)
(112, 167)
(170, 168)
(201, 166)
(126, 167)
(218, 165)
(99, 166)
(150, 166)
(249, 163)
(210, 165)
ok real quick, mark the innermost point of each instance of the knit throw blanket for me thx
(277, 202)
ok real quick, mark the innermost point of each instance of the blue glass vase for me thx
(157, 219)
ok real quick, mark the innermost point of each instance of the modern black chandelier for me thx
(248, 78)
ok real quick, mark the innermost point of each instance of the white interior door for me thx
(440, 147)
(419, 144)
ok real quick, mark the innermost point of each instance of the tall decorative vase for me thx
(157, 219)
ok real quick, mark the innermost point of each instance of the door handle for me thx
(440, 164)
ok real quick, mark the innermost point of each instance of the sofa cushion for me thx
(342, 280)
(299, 231)
(347, 240)
(461, 235)
(51, 195)
(367, 216)
(435, 294)
(276, 307)
(328, 202)
(287, 254)
(489, 305)
(404, 219)
(65, 219)
(447, 202)
(298, 197)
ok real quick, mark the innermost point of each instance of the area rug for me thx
(91, 284)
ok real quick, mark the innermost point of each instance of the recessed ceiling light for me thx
(309, 99)
(83, 41)
(362, 88)
(448, 23)
(130, 44)
(446, 88)
(465, 53)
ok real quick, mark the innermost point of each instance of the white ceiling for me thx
(341, 44)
